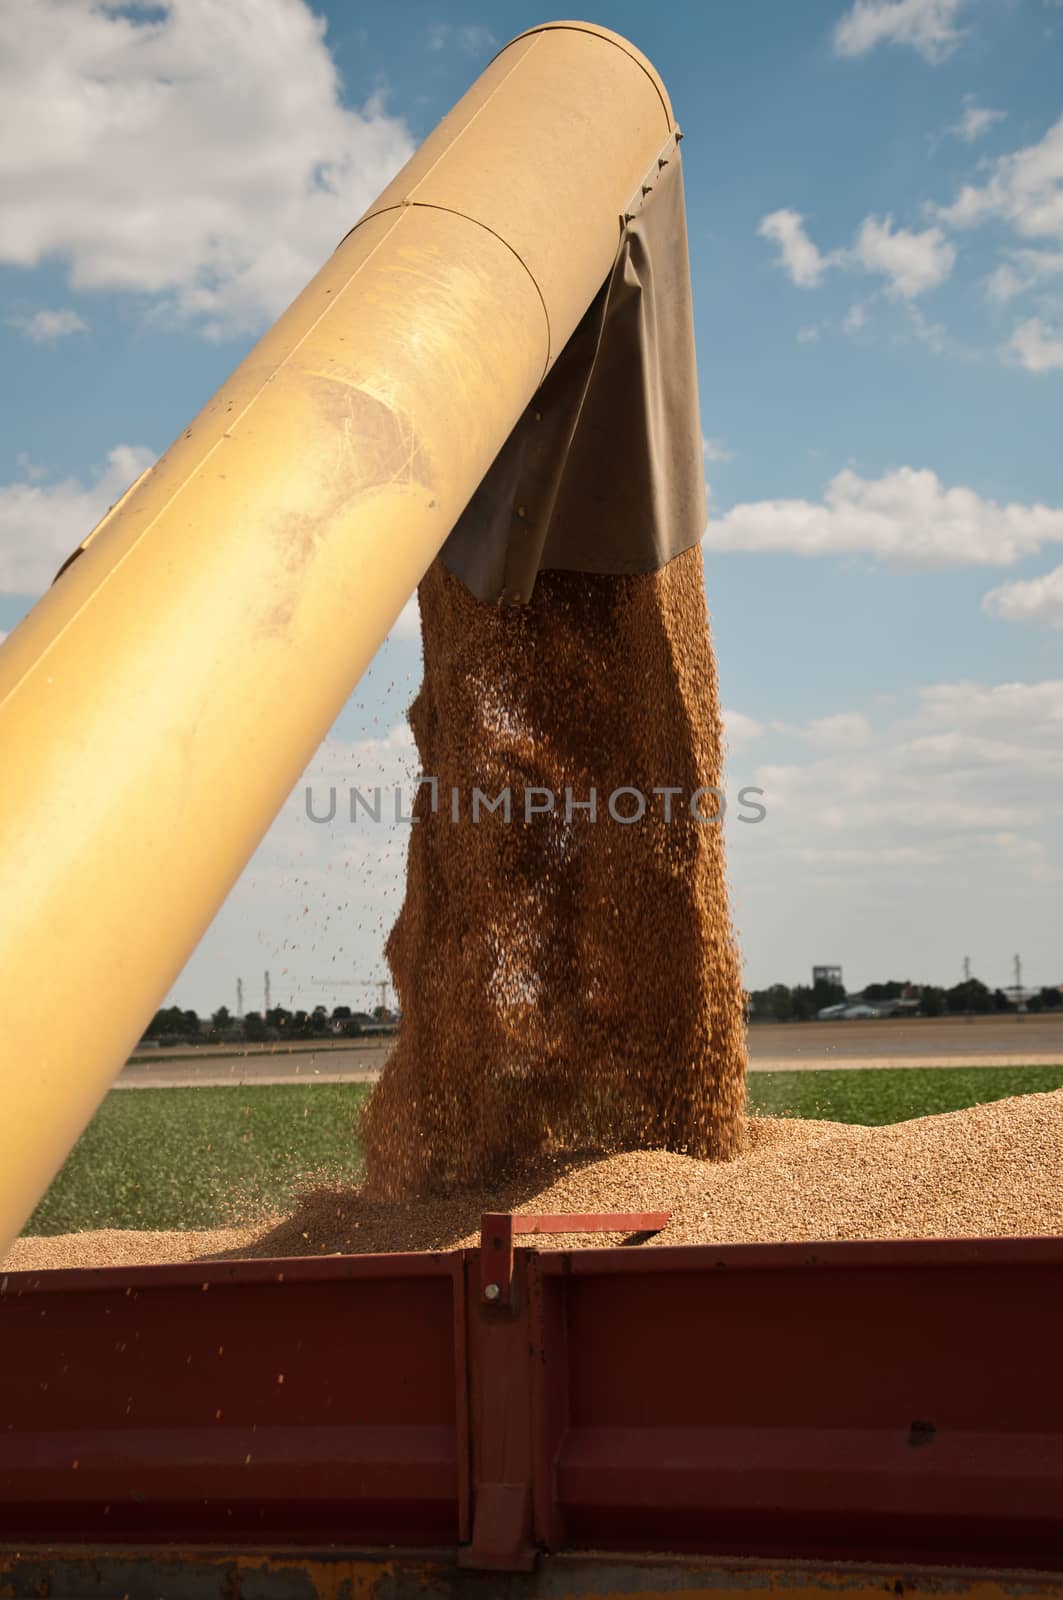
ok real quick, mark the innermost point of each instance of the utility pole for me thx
(267, 991)
(967, 979)
(384, 994)
(1020, 1003)
(239, 997)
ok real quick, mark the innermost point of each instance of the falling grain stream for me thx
(567, 980)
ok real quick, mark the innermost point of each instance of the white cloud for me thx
(973, 757)
(476, 40)
(192, 152)
(855, 318)
(377, 846)
(45, 327)
(986, 708)
(966, 753)
(907, 517)
(1004, 283)
(472, 38)
(809, 335)
(887, 856)
(874, 807)
(934, 336)
(975, 120)
(1023, 270)
(846, 730)
(1037, 600)
(1037, 347)
(318, 898)
(741, 729)
(1024, 189)
(938, 834)
(927, 26)
(408, 623)
(911, 263)
(41, 523)
(388, 759)
(797, 253)
(715, 450)
(843, 730)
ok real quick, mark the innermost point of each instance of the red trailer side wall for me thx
(877, 1402)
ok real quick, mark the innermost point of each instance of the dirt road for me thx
(1007, 1040)
(773, 1047)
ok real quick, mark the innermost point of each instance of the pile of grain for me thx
(993, 1170)
(990, 1170)
(565, 983)
(124, 1247)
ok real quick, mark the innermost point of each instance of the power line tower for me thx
(267, 992)
(239, 997)
(966, 969)
(381, 984)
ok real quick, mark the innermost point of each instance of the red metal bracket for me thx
(498, 1227)
(507, 1336)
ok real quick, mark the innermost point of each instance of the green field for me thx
(879, 1095)
(198, 1158)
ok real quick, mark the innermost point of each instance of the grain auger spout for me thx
(476, 353)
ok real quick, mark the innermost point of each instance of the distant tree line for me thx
(778, 1003)
(175, 1026)
(972, 997)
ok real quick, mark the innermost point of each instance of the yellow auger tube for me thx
(160, 702)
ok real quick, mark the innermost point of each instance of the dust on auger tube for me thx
(566, 981)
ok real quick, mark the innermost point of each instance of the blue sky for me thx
(875, 197)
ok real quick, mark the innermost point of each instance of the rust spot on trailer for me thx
(401, 1576)
(921, 1434)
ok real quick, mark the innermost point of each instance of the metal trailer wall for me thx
(869, 1403)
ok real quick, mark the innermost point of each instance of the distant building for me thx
(893, 1008)
(827, 975)
(847, 1011)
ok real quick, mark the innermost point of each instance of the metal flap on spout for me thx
(603, 472)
